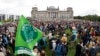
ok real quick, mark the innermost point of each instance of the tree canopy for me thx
(88, 17)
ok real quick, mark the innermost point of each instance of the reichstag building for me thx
(51, 14)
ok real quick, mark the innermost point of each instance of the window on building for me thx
(3, 17)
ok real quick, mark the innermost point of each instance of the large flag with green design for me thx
(26, 37)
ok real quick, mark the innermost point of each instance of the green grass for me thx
(71, 52)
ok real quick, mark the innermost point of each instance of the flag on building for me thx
(26, 37)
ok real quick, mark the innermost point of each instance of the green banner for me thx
(26, 37)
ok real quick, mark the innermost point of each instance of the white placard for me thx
(11, 29)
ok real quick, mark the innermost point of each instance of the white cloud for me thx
(24, 6)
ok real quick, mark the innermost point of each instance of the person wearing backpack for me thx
(5, 40)
(58, 49)
(64, 49)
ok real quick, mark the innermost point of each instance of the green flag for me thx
(26, 37)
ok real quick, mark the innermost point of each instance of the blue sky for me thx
(18, 7)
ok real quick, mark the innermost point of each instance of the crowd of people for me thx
(83, 37)
(7, 40)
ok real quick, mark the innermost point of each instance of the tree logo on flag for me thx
(28, 32)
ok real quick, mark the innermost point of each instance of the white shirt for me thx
(50, 35)
(53, 44)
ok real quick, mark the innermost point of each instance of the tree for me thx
(88, 17)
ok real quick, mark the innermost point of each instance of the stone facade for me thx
(51, 14)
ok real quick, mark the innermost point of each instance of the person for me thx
(53, 44)
(86, 38)
(53, 47)
(84, 51)
(50, 41)
(1, 42)
(64, 38)
(5, 40)
(50, 35)
(93, 50)
(64, 49)
(8, 52)
(78, 49)
(43, 53)
(42, 42)
(36, 51)
(92, 32)
(1, 51)
(74, 34)
(58, 48)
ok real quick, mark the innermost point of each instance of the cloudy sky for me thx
(18, 7)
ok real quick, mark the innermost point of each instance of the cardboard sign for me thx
(11, 29)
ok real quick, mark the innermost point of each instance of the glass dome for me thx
(51, 7)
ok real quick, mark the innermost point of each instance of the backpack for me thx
(64, 49)
(83, 51)
(58, 48)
